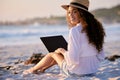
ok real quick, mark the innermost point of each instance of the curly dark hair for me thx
(93, 28)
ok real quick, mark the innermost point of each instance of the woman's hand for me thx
(60, 50)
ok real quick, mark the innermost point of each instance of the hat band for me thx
(77, 4)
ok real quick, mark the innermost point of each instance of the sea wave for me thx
(32, 31)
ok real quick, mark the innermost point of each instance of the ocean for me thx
(30, 34)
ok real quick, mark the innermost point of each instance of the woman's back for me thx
(81, 57)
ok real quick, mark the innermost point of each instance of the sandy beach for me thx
(12, 64)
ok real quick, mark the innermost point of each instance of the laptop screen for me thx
(54, 42)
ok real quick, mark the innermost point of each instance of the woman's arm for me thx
(74, 47)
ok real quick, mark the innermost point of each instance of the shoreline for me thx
(109, 47)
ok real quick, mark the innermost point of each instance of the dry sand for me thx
(14, 56)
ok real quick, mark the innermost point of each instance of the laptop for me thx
(54, 42)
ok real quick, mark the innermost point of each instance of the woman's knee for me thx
(58, 58)
(54, 55)
(51, 54)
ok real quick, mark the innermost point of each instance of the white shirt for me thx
(81, 56)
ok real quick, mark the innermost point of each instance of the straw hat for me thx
(82, 4)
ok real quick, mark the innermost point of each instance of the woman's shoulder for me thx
(76, 28)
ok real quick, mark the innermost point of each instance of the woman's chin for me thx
(73, 23)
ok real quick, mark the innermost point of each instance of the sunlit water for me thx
(30, 34)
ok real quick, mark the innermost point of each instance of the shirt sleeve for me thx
(72, 55)
(101, 56)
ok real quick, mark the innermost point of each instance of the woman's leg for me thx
(49, 60)
(45, 63)
(56, 59)
(48, 66)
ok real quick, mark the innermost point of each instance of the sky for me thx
(11, 10)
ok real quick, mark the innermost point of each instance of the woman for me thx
(85, 45)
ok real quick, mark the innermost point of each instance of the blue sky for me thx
(22, 9)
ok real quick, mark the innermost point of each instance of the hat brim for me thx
(67, 6)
